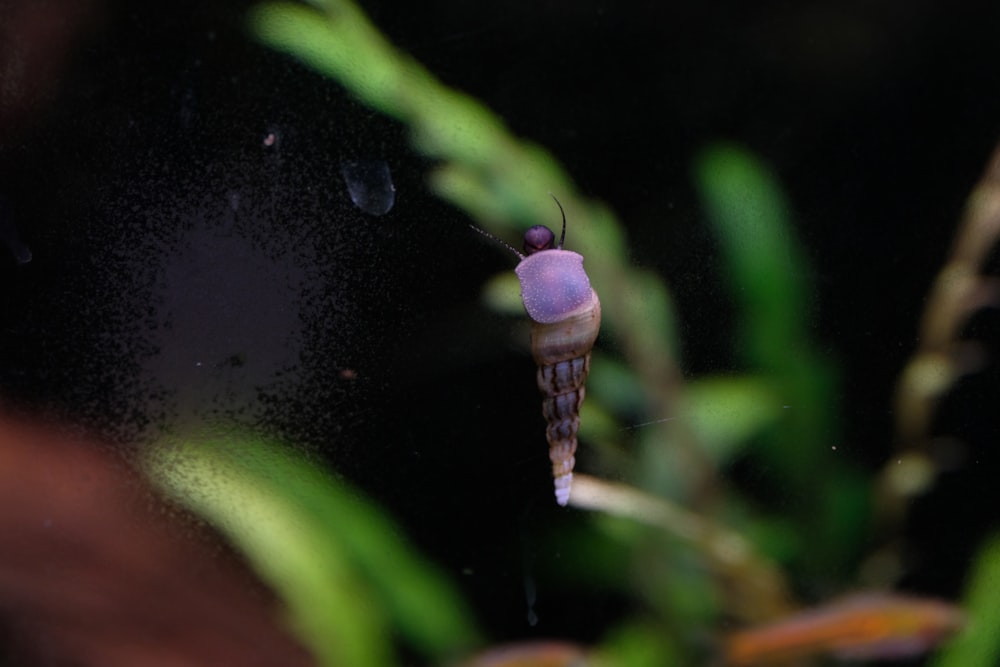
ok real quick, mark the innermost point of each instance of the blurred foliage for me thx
(770, 283)
(350, 583)
(701, 550)
(979, 644)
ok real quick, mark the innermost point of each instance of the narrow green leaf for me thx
(979, 644)
(725, 412)
(347, 578)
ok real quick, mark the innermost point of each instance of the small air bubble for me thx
(21, 252)
(8, 234)
(369, 185)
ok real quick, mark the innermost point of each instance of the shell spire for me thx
(562, 351)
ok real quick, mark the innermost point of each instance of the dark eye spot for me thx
(538, 238)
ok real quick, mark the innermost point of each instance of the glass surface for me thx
(203, 237)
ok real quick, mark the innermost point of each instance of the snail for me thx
(565, 318)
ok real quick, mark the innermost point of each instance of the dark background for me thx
(133, 163)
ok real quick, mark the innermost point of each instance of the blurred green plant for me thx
(349, 582)
(979, 644)
(703, 550)
(770, 283)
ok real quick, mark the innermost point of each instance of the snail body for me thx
(565, 319)
(561, 350)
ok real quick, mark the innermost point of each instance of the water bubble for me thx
(22, 253)
(370, 185)
(8, 234)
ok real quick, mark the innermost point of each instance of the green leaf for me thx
(770, 283)
(348, 580)
(638, 645)
(979, 644)
(726, 412)
(615, 386)
(502, 293)
(767, 275)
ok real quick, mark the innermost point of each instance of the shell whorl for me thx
(562, 352)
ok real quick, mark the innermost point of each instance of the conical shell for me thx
(562, 351)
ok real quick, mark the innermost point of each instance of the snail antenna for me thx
(498, 240)
(562, 238)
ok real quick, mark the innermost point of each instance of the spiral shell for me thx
(566, 318)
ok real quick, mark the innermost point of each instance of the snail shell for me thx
(566, 317)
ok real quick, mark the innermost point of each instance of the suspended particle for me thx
(271, 139)
(370, 185)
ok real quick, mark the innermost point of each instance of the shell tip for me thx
(563, 483)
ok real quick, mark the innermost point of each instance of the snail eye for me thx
(538, 238)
